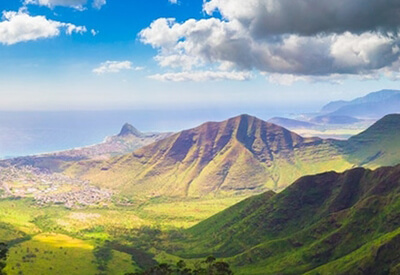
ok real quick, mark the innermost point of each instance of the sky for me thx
(190, 54)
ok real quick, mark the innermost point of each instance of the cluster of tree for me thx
(3, 257)
(103, 255)
(210, 266)
(147, 237)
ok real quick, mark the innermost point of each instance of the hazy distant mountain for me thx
(333, 106)
(242, 154)
(373, 105)
(291, 123)
(128, 140)
(129, 130)
(324, 224)
(334, 119)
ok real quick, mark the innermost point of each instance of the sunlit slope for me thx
(51, 253)
(239, 155)
(334, 223)
(379, 145)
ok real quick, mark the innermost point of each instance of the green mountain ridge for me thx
(330, 223)
(378, 145)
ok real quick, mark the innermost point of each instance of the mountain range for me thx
(374, 105)
(238, 156)
(354, 114)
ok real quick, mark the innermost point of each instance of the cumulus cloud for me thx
(309, 17)
(292, 38)
(173, 1)
(113, 67)
(76, 4)
(20, 27)
(200, 76)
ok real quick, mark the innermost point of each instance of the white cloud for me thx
(76, 4)
(242, 41)
(97, 4)
(20, 27)
(173, 1)
(289, 79)
(94, 32)
(113, 67)
(200, 76)
(71, 28)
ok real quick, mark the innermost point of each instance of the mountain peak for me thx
(386, 126)
(377, 145)
(244, 116)
(129, 130)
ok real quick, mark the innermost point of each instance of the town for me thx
(50, 188)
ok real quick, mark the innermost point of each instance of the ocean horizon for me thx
(37, 132)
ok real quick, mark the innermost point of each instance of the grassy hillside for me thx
(59, 254)
(325, 224)
(36, 233)
(377, 146)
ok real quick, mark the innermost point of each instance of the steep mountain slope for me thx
(374, 105)
(329, 223)
(128, 140)
(377, 146)
(242, 154)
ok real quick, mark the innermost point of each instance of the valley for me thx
(54, 233)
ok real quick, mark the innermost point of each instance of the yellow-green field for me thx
(56, 240)
(50, 253)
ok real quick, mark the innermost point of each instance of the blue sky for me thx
(71, 55)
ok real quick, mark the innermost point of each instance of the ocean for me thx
(29, 133)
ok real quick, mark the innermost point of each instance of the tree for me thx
(207, 267)
(220, 268)
(3, 257)
(103, 255)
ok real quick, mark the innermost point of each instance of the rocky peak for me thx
(129, 130)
